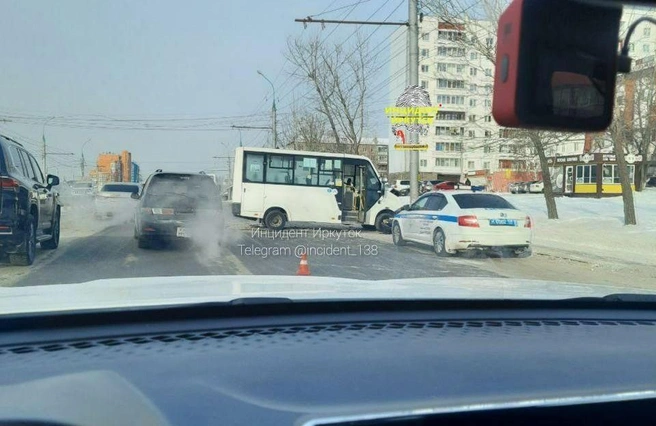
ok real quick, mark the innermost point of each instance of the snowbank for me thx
(594, 228)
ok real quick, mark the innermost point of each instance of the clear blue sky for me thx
(159, 59)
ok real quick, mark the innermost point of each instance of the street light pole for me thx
(273, 111)
(43, 136)
(82, 162)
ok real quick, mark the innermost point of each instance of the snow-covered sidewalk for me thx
(591, 228)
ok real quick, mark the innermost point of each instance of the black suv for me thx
(178, 206)
(30, 211)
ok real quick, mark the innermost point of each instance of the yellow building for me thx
(592, 175)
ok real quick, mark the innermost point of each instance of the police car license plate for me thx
(503, 222)
(181, 232)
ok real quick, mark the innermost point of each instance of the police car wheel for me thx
(397, 237)
(439, 243)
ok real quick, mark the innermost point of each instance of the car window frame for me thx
(425, 199)
(35, 164)
(27, 157)
(13, 152)
(439, 200)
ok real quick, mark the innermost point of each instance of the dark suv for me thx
(178, 206)
(30, 211)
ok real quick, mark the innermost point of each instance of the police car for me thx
(459, 220)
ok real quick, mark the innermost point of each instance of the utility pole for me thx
(240, 142)
(274, 121)
(229, 159)
(44, 161)
(413, 80)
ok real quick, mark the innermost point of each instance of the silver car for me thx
(81, 189)
(115, 200)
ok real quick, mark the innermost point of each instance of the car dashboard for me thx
(333, 363)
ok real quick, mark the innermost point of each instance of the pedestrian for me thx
(467, 182)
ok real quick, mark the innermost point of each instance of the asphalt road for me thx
(113, 253)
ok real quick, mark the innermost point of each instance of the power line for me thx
(104, 122)
(90, 124)
(291, 75)
(339, 8)
(36, 145)
(361, 44)
(275, 80)
(100, 117)
(334, 21)
(347, 38)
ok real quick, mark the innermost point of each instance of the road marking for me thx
(12, 274)
(130, 258)
(239, 266)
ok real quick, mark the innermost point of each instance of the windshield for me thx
(120, 188)
(82, 185)
(172, 190)
(301, 132)
(481, 201)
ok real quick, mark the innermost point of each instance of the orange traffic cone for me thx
(303, 268)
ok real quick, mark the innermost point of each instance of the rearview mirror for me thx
(556, 65)
(134, 196)
(52, 180)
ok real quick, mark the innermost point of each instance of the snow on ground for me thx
(593, 227)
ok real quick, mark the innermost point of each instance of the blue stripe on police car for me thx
(443, 218)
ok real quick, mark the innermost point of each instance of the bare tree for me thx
(530, 144)
(338, 75)
(304, 129)
(643, 123)
(632, 131)
(620, 132)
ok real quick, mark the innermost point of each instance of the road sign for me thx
(411, 115)
(413, 111)
(410, 147)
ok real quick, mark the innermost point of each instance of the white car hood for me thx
(158, 291)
